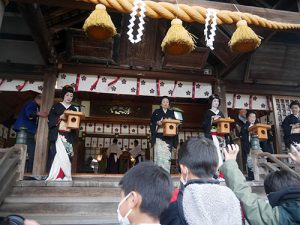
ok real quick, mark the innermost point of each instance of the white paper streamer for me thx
(212, 22)
(137, 4)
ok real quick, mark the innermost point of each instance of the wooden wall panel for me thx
(79, 47)
(196, 60)
(147, 53)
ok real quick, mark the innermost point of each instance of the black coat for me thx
(286, 126)
(53, 122)
(207, 122)
(157, 115)
(174, 215)
(245, 141)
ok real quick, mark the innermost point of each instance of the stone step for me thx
(72, 219)
(81, 181)
(27, 191)
(86, 200)
(88, 208)
(70, 199)
(74, 183)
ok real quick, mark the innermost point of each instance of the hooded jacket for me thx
(283, 207)
(203, 202)
(211, 204)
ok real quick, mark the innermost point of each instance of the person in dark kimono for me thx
(209, 126)
(246, 143)
(28, 118)
(113, 154)
(163, 145)
(61, 138)
(241, 120)
(291, 125)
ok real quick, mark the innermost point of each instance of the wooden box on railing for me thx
(261, 130)
(223, 125)
(170, 127)
(73, 119)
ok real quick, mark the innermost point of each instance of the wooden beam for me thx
(240, 58)
(281, 3)
(246, 56)
(126, 72)
(35, 20)
(21, 71)
(235, 62)
(15, 37)
(234, 1)
(2, 9)
(262, 3)
(221, 52)
(41, 148)
(277, 15)
(69, 22)
(55, 13)
(71, 4)
(261, 89)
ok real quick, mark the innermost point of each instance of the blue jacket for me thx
(28, 118)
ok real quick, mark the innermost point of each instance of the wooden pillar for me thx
(3, 3)
(41, 148)
(278, 138)
(220, 89)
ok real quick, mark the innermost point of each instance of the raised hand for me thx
(43, 114)
(216, 117)
(231, 152)
(159, 123)
(63, 117)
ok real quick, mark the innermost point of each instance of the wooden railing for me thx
(264, 163)
(12, 164)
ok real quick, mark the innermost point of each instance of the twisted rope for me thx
(158, 10)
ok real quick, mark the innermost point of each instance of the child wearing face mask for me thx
(145, 193)
(201, 200)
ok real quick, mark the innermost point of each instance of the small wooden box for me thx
(170, 127)
(223, 125)
(73, 119)
(261, 130)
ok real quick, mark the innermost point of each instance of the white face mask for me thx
(124, 220)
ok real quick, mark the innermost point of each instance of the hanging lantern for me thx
(99, 26)
(178, 41)
(244, 38)
(22, 136)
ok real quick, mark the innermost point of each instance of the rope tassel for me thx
(99, 26)
(244, 38)
(178, 41)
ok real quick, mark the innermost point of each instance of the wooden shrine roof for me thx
(53, 28)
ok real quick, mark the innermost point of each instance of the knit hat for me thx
(66, 89)
(207, 204)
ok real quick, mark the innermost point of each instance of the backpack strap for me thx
(180, 207)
